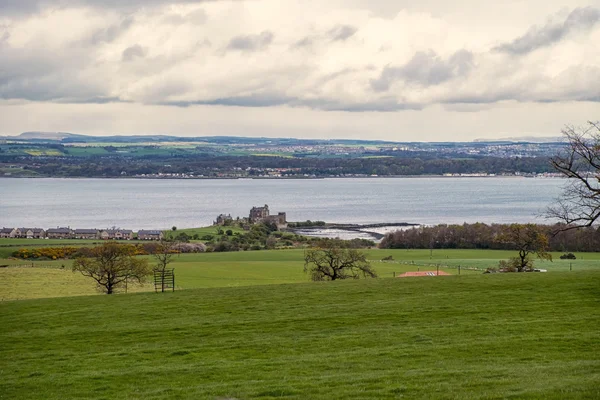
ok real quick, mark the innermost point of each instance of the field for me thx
(527, 336)
(235, 269)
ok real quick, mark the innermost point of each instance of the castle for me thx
(261, 214)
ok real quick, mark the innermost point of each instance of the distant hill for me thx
(47, 135)
(523, 139)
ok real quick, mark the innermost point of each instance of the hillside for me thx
(478, 336)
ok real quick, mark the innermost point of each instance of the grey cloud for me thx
(196, 17)
(304, 42)
(579, 20)
(273, 99)
(342, 32)
(112, 32)
(133, 52)
(251, 42)
(255, 100)
(12, 7)
(426, 69)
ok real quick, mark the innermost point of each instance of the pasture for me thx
(527, 336)
(249, 268)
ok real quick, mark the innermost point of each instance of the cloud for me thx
(133, 52)
(251, 42)
(20, 7)
(342, 32)
(112, 32)
(579, 20)
(425, 68)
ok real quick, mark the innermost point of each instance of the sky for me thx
(428, 70)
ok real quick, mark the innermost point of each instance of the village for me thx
(68, 233)
(257, 215)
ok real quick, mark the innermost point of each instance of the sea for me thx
(164, 203)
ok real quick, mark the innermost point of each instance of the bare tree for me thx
(527, 239)
(329, 263)
(164, 253)
(111, 265)
(579, 204)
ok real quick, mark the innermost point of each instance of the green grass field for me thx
(526, 336)
(249, 268)
(207, 230)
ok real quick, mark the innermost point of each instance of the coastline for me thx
(538, 176)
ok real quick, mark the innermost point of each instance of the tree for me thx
(329, 263)
(164, 253)
(527, 239)
(111, 265)
(579, 204)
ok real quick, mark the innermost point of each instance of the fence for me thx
(164, 279)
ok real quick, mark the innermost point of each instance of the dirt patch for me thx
(423, 273)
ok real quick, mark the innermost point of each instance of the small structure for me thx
(30, 233)
(116, 234)
(164, 279)
(150, 235)
(86, 233)
(261, 214)
(7, 232)
(59, 233)
(257, 214)
(223, 220)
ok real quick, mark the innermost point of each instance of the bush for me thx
(568, 256)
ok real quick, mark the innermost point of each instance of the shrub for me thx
(568, 256)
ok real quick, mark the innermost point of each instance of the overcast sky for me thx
(403, 70)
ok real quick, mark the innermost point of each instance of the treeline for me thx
(483, 236)
(209, 166)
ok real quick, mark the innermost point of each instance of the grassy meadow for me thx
(526, 336)
(36, 279)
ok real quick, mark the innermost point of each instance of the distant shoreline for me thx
(540, 176)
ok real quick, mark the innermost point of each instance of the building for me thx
(30, 233)
(257, 214)
(279, 220)
(7, 232)
(86, 233)
(150, 235)
(223, 220)
(59, 233)
(116, 234)
(261, 214)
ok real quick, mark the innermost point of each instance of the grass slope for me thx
(205, 270)
(487, 336)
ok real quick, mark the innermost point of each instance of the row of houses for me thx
(68, 233)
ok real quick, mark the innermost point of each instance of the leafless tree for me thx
(164, 253)
(579, 204)
(329, 263)
(111, 265)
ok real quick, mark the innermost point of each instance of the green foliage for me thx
(329, 263)
(527, 239)
(112, 265)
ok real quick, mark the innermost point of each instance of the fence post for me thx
(394, 274)
(570, 266)
(459, 269)
(438, 270)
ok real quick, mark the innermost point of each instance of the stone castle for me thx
(257, 215)
(261, 214)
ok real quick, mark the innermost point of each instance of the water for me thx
(161, 204)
